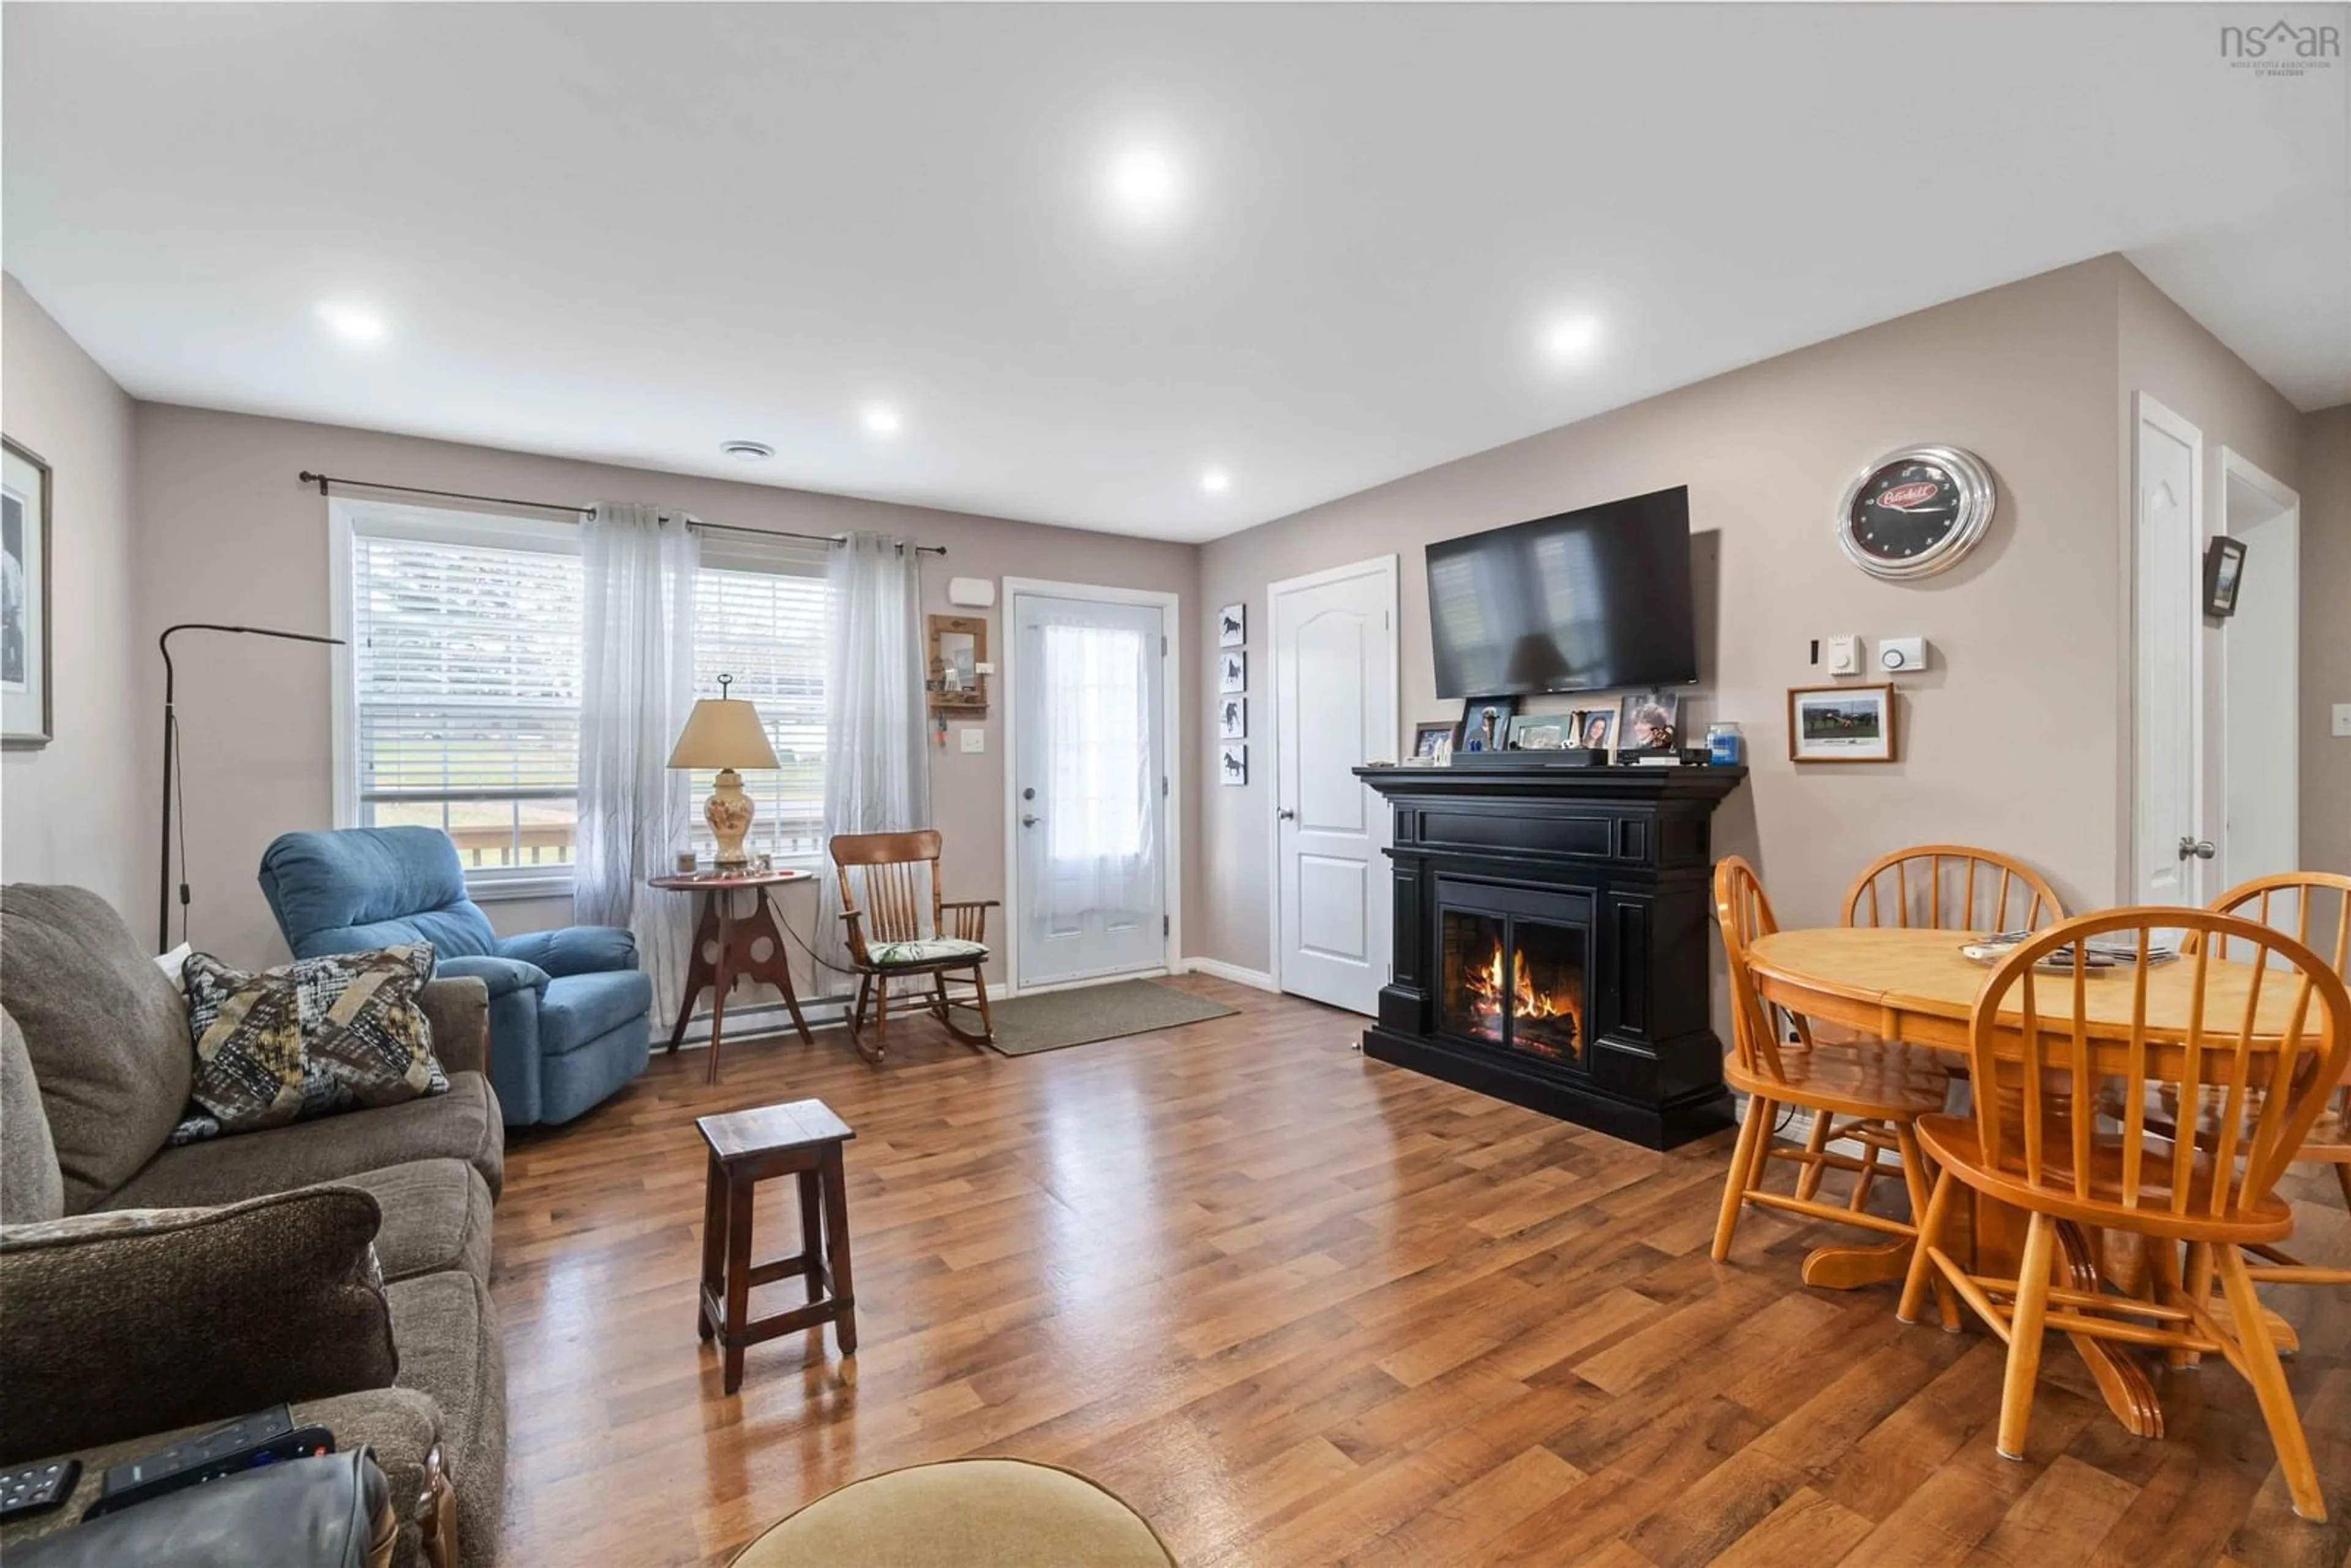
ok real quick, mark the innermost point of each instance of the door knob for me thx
(1030, 821)
(1285, 815)
(2201, 848)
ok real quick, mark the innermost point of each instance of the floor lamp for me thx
(171, 762)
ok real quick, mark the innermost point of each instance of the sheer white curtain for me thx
(1095, 701)
(877, 773)
(635, 694)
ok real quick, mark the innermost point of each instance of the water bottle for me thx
(1723, 744)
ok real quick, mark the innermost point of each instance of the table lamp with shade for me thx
(725, 732)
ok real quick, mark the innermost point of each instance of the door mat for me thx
(1054, 1019)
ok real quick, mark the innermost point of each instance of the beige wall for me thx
(80, 810)
(2161, 350)
(228, 534)
(2010, 737)
(2325, 639)
(2014, 737)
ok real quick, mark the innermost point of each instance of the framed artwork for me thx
(2224, 568)
(1232, 672)
(1841, 723)
(1435, 740)
(958, 647)
(1595, 729)
(1232, 625)
(1232, 764)
(1486, 723)
(1539, 732)
(1649, 721)
(26, 719)
(1232, 718)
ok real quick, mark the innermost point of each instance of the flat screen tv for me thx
(1594, 598)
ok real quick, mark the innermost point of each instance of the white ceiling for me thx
(633, 232)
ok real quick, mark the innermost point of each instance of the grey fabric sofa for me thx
(94, 1074)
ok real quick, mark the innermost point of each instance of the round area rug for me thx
(964, 1513)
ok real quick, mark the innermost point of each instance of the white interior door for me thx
(2167, 570)
(1335, 700)
(1089, 780)
(2258, 727)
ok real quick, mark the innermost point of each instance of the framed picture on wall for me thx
(1232, 718)
(26, 719)
(1232, 764)
(2224, 569)
(1841, 723)
(1232, 625)
(1232, 672)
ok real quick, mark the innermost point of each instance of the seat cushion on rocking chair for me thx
(924, 950)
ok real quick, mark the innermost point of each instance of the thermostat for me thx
(971, 592)
(1901, 653)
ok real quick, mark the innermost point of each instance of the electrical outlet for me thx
(974, 738)
(1845, 655)
(2342, 720)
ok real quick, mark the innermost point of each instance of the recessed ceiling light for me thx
(1145, 184)
(880, 419)
(747, 450)
(1572, 336)
(1216, 481)
(355, 322)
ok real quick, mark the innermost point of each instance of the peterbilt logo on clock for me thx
(1916, 512)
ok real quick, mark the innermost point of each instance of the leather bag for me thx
(333, 1510)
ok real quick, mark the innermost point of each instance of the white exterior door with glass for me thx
(1090, 783)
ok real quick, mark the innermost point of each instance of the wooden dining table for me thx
(1915, 985)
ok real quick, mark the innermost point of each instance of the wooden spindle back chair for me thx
(900, 924)
(1879, 1089)
(2067, 1125)
(2308, 904)
(1952, 887)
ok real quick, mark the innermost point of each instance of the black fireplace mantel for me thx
(1625, 852)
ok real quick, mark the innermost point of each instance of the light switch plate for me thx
(2342, 720)
(974, 738)
(1845, 655)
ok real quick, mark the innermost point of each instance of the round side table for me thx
(726, 945)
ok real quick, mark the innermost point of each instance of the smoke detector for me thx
(747, 450)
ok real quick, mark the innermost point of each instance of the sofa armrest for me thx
(575, 949)
(503, 976)
(458, 1008)
(139, 1320)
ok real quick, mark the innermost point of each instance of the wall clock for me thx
(1916, 512)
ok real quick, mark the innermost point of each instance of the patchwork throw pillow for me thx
(315, 1037)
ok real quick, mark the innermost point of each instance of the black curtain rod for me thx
(323, 480)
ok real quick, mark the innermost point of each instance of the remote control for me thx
(265, 1438)
(38, 1487)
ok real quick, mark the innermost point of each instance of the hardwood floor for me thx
(1300, 1307)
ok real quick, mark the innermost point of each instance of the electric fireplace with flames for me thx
(1517, 984)
(1551, 940)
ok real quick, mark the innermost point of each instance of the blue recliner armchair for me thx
(569, 1010)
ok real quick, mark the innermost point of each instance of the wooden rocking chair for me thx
(882, 877)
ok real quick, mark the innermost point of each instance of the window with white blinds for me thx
(463, 708)
(466, 663)
(762, 617)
